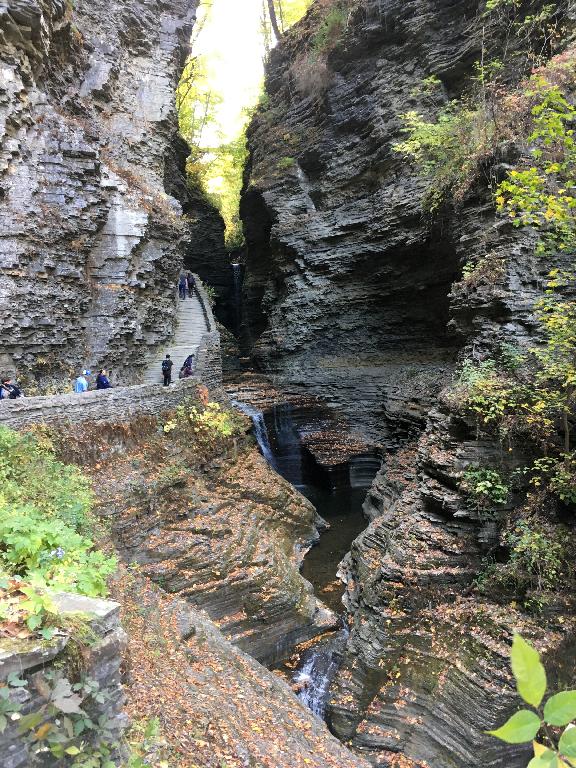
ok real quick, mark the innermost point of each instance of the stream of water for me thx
(338, 498)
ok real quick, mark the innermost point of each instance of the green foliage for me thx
(465, 134)
(556, 358)
(493, 5)
(486, 487)
(522, 726)
(528, 672)
(558, 473)
(205, 422)
(539, 558)
(446, 150)
(544, 194)
(210, 293)
(144, 740)
(291, 11)
(9, 708)
(532, 394)
(525, 725)
(285, 162)
(218, 150)
(221, 175)
(488, 270)
(560, 709)
(330, 28)
(500, 400)
(29, 474)
(44, 521)
(63, 727)
(50, 552)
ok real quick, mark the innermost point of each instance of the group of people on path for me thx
(9, 390)
(186, 285)
(102, 381)
(186, 370)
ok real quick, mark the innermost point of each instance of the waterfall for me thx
(260, 431)
(316, 672)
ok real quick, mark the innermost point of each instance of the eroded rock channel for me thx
(373, 318)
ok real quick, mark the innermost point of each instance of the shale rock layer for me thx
(89, 162)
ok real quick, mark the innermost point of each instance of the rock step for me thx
(190, 327)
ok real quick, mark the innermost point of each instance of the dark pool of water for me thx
(338, 496)
(342, 510)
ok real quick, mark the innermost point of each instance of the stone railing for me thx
(209, 357)
(39, 664)
(122, 403)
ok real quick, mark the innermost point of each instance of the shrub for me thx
(330, 29)
(558, 473)
(29, 473)
(486, 487)
(50, 552)
(45, 510)
(285, 162)
(466, 134)
(501, 401)
(543, 194)
(206, 427)
(539, 560)
(311, 75)
(487, 271)
(447, 151)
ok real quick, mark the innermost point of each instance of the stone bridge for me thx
(196, 333)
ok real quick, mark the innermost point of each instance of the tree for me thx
(274, 20)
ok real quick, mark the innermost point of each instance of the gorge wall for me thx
(92, 235)
(353, 293)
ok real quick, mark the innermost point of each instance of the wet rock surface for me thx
(89, 163)
(228, 536)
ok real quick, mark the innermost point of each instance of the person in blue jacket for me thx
(81, 383)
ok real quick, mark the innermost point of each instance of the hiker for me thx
(189, 362)
(185, 371)
(182, 285)
(9, 390)
(102, 381)
(191, 284)
(81, 383)
(167, 370)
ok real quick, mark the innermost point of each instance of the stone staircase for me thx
(190, 327)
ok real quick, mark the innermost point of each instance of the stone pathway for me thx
(190, 327)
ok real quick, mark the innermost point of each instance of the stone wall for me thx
(42, 664)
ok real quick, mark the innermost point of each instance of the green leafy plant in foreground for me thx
(558, 712)
(45, 509)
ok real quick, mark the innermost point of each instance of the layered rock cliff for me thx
(355, 294)
(92, 237)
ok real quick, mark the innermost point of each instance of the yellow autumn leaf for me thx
(42, 732)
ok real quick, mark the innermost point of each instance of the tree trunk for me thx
(274, 20)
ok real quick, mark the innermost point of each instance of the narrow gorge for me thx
(317, 546)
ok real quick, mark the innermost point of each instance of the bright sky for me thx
(232, 42)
